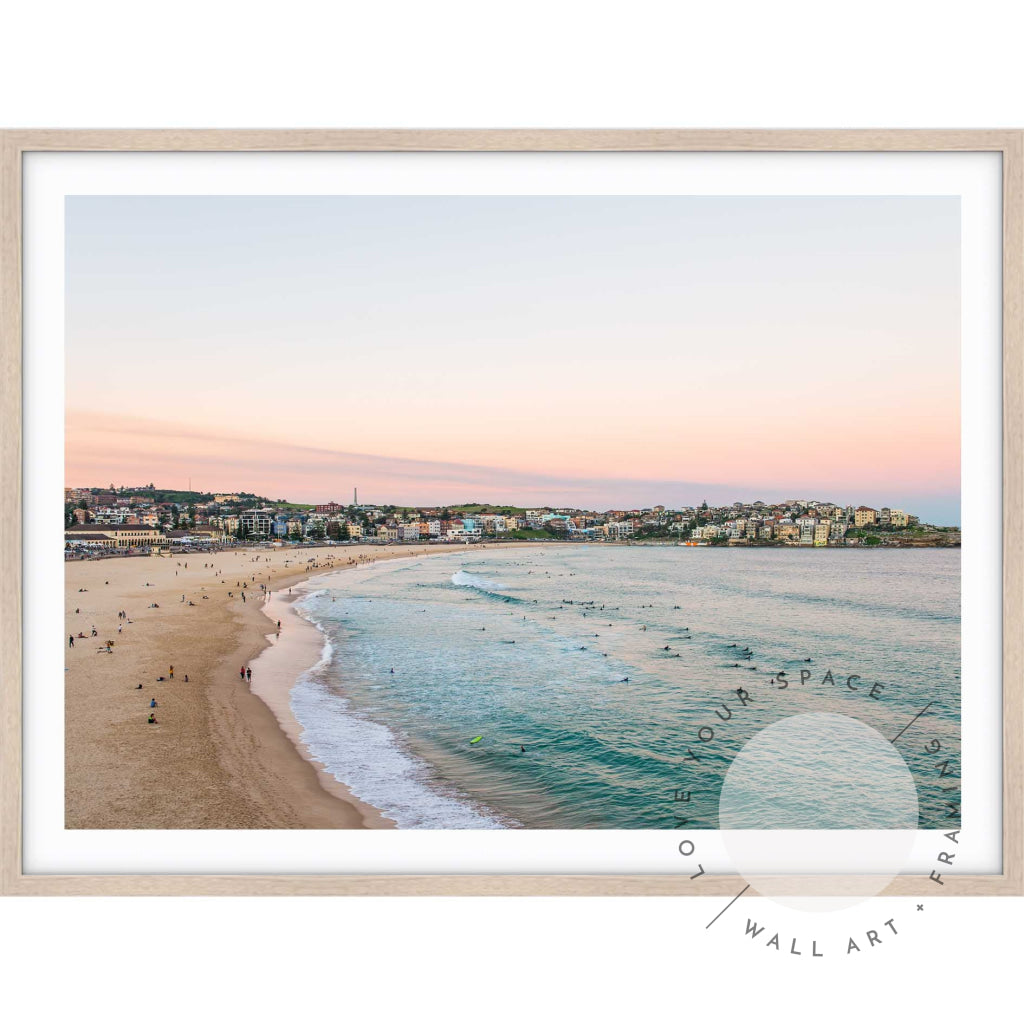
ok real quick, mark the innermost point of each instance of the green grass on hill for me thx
(498, 510)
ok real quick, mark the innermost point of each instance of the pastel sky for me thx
(599, 352)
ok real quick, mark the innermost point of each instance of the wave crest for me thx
(469, 579)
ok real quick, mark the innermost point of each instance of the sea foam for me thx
(367, 758)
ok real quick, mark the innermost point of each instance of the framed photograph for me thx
(512, 512)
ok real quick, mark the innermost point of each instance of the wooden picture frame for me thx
(14, 145)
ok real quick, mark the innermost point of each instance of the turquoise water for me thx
(610, 665)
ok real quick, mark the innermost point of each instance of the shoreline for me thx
(219, 754)
(287, 655)
(277, 668)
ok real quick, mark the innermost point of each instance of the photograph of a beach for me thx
(508, 512)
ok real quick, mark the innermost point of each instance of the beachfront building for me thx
(619, 531)
(409, 531)
(787, 531)
(462, 530)
(229, 524)
(74, 539)
(710, 531)
(560, 524)
(256, 522)
(821, 534)
(355, 530)
(119, 536)
(898, 518)
(864, 516)
(807, 526)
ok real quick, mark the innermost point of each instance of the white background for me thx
(565, 64)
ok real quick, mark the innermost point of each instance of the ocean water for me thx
(604, 682)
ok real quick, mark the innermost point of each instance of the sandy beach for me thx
(223, 752)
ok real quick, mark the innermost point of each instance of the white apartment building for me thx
(256, 521)
(620, 529)
(807, 526)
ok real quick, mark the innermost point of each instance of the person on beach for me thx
(241, 672)
(171, 672)
(248, 674)
(152, 719)
(152, 702)
(71, 641)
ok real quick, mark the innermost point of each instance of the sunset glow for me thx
(587, 351)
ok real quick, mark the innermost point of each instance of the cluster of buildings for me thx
(132, 519)
(808, 523)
